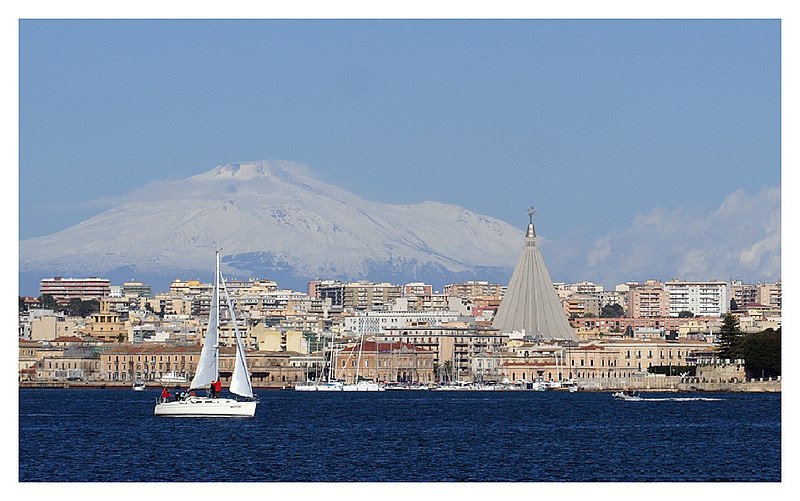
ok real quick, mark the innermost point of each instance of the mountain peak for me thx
(249, 171)
(274, 217)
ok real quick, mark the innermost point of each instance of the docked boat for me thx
(627, 395)
(243, 404)
(322, 386)
(172, 377)
(138, 385)
(406, 387)
(363, 386)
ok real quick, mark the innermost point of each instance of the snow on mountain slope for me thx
(273, 217)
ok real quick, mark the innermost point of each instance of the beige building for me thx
(580, 305)
(107, 326)
(46, 328)
(385, 362)
(650, 300)
(271, 339)
(599, 359)
(455, 344)
(151, 362)
(473, 289)
(770, 295)
(357, 295)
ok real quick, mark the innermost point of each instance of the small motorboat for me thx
(628, 395)
(138, 385)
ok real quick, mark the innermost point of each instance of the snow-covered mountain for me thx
(274, 220)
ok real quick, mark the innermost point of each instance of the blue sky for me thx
(599, 124)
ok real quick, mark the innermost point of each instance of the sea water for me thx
(111, 435)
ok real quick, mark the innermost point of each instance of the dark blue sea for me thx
(94, 435)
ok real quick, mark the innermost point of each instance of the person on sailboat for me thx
(164, 394)
(216, 388)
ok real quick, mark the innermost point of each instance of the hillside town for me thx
(388, 333)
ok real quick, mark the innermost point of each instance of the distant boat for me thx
(207, 375)
(321, 386)
(627, 395)
(138, 385)
(173, 377)
(363, 386)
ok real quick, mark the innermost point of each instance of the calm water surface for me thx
(88, 435)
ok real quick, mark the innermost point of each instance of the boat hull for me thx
(626, 398)
(319, 387)
(206, 407)
(362, 386)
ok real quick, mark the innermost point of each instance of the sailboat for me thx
(328, 385)
(208, 372)
(362, 384)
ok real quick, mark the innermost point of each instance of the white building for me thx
(704, 299)
(375, 322)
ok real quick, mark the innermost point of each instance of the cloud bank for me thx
(741, 239)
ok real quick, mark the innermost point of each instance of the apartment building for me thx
(136, 289)
(455, 344)
(417, 289)
(648, 300)
(358, 295)
(64, 289)
(743, 293)
(700, 298)
(48, 327)
(580, 305)
(474, 288)
(370, 323)
(770, 295)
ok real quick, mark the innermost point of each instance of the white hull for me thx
(362, 386)
(171, 377)
(623, 396)
(319, 387)
(206, 407)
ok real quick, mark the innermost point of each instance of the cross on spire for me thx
(531, 231)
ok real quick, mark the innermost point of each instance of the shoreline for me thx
(742, 387)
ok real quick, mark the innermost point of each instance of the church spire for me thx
(531, 306)
(531, 233)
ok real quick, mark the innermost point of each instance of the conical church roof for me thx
(531, 305)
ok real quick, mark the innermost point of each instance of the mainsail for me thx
(208, 366)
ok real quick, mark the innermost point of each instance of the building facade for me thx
(649, 300)
(388, 362)
(64, 289)
(700, 298)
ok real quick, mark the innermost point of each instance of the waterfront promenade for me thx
(644, 383)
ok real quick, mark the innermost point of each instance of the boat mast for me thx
(358, 362)
(215, 306)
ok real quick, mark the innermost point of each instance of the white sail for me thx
(208, 366)
(240, 380)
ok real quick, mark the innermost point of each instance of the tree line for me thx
(74, 308)
(761, 351)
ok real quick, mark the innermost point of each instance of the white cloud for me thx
(740, 239)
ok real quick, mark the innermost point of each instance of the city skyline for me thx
(637, 140)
